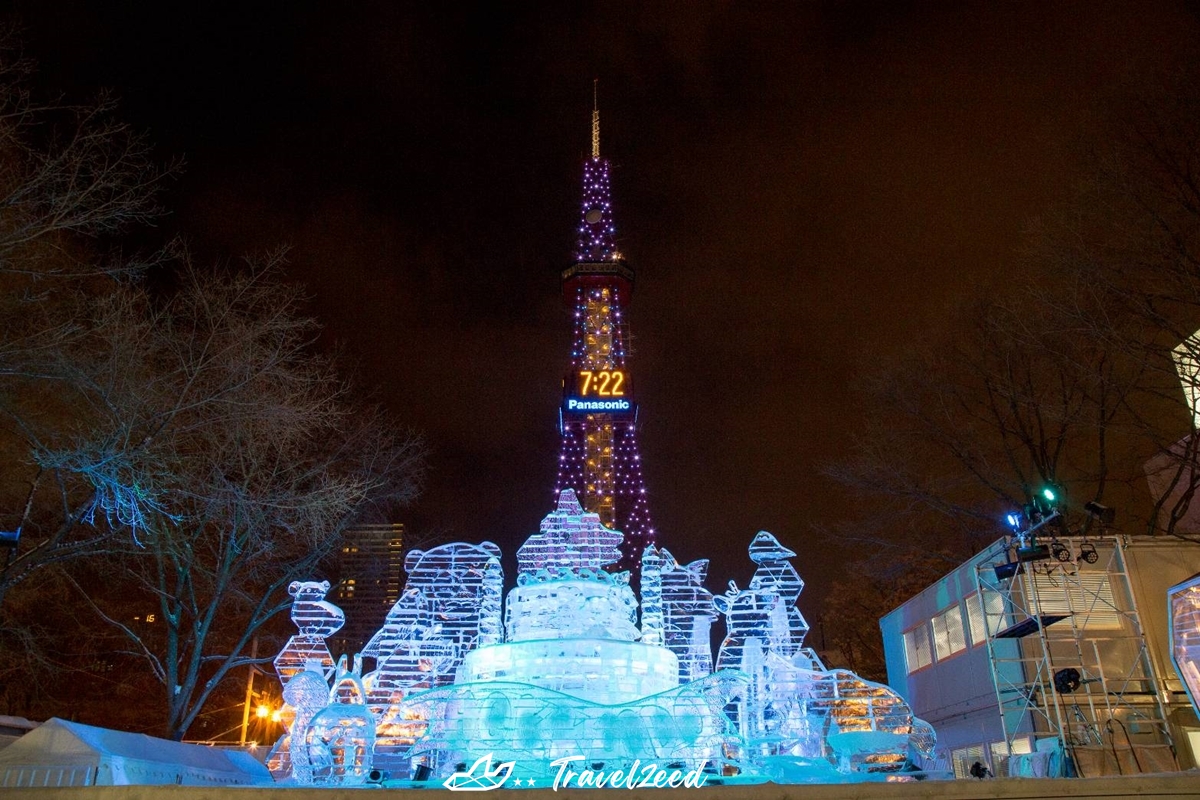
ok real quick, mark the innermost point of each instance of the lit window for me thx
(948, 634)
(995, 612)
(916, 648)
(964, 758)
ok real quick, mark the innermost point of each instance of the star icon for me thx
(529, 782)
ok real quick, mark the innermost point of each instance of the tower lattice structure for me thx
(599, 456)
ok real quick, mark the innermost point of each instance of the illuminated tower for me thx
(599, 456)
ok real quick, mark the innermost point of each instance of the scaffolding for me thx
(1069, 658)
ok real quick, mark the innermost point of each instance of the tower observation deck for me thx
(599, 456)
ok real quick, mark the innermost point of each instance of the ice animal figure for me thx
(652, 599)
(865, 726)
(797, 714)
(688, 614)
(305, 694)
(450, 605)
(317, 619)
(454, 582)
(340, 739)
(765, 612)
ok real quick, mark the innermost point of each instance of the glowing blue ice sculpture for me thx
(800, 719)
(567, 672)
(450, 605)
(306, 652)
(572, 677)
(340, 739)
(688, 614)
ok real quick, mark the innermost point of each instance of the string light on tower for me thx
(599, 456)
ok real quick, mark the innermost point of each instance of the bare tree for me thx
(71, 177)
(1067, 375)
(235, 456)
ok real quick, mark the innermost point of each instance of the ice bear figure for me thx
(453, 581)
(317, 619)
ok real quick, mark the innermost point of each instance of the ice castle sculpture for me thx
(570, 671)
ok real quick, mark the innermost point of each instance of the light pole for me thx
(249, 689)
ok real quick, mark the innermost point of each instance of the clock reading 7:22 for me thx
(601, 383)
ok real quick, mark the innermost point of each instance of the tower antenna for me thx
(595, 119)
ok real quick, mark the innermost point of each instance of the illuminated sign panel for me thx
(576, 405)
(601, 383)
(598, 391)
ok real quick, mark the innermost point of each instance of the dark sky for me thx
(802, 188)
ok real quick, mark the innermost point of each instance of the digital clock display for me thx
(600, 383)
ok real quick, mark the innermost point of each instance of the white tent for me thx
(61, 753)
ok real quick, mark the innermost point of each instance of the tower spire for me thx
(595, 119)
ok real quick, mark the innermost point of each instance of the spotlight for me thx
(262, 712)
(1103, 513)
(1034, 552)
(1060, 551)
(1087, 551)
(1047, 499)
(1014, 521)
(1067, 680)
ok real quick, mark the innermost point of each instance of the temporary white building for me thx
(61, 753)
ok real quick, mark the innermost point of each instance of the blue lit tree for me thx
(253, 458)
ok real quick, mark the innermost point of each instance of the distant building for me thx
(370, 567)
(1068, 652)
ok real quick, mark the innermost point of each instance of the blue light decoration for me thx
(568, 676)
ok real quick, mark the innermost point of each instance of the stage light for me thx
(1087, 552)
(1046, 500)
(1014, 521)
(1033, 552)
(1060, 551)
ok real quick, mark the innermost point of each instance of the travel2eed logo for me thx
(482, 777)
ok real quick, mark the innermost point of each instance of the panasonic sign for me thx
(573, 404)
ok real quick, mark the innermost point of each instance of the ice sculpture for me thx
(450, 604)
(562, 669)
(305, 693)
(340, 739)
(688, 614)
(799, 717)
(453, 580)
(317, 620)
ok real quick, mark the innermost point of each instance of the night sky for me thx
(803, 189)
